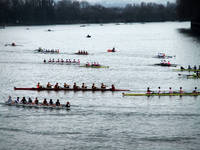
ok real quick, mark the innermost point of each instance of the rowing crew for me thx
(170, 91)
(165, 62)
(62, 61)
(35, 102)
(92, 64)
(189, 67)
(48, 50)
(75, 87)
(82, 52)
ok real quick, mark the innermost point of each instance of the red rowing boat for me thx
(68, 89)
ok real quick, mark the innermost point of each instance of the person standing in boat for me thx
(57, 102)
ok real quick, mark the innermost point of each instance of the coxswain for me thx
(23, 101)
(50, 102)
(170, 90)
(45, 102)
(38, 85)
(112, 87)
(9, 100)
(195, 90)
(189, 67)
(56, 86)
(148, 91)
(182, 68)
(17, 100)
(83, 86)
(57, 102)
(103, 86)
(30, 100)
(44, 61)
(49, 85)
(36, 101)
(67, 105)
(181, 90)
(94, 87)
(159, 91)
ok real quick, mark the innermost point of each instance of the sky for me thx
(124, 2)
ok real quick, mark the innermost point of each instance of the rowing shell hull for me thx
(37, 106)
(68, 89)
(95, 66)
(189, 70)
(166, 65)
(161, 94)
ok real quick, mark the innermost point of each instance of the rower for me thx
(50, 102)
(74, 86)
(182, 68)
(170, 90)
(195, 67)
(67, 105)
(57, 102)
(103, 86)
(30, 100)
(180, 91)
(189, 67)
(78, 61)
(113, 50)
(148, 91)
(45, 102)
(199, 67)
(17, 100)
(9, 100)
(49, 60)
(94, 87)
(56, 86)
(38, 85)
(66, 85)
(53, 60)
(23, 101)
(13, 44)
(112, 87)
(49, 85)
(36, 101)
(83, 86)
(44, 61)
(195, 90)
(159, 91)
(169, 63)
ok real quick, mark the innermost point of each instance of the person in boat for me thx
(181, 90)
(67, 105)
(103, 86)
(199, 67)
(182, 68)
(159, 91)
(53, 60)
(44, 102)
(78, 61)
(49, 85)
(50, 102)
(9, 101)
(66, 85)
(75, 87)
(195, 90)
(36, 101)
(113, 49)
(94, 87)
(49, 60)
(23, 101)
(148, 91)
(83, 86)
(30, 100)
(195, 67)
(13, 44)
(170, 90)
(57, 102)
(56, 86)
(87, 64)
(17, 100)
(112, 87)
(189, 67)
(38, 85)
(62, 60)
(44, 61)
(169, 63)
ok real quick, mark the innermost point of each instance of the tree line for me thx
(33, 12)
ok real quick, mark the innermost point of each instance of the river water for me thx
(100, 120)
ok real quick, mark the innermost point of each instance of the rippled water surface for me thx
(100, 120)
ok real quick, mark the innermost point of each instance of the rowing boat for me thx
(189, 70)
(161, 94)
(68, 89)
(81, 53)
(63, 63)
(93, 66)
(166, 65)
(194, 76)
(37, 106)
